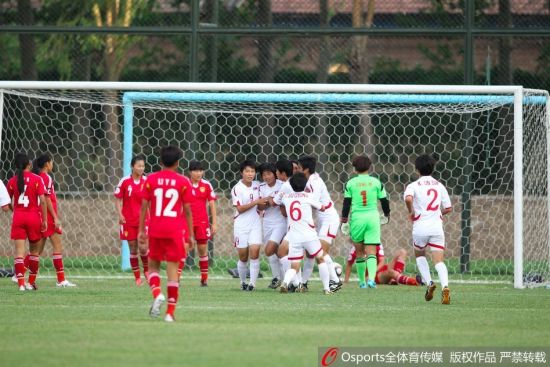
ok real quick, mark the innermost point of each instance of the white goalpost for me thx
(491, 143)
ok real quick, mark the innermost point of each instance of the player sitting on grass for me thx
(361, 196)
(167, 194)
(427, 201)
(43, 166)
(203, 193)
(273, 222)
(247, 227)
(128, 206)
(301, 233)
(390, 273)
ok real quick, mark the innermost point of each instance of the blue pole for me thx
(127, 133)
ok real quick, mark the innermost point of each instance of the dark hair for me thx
(39, 163)
(170, 155)
(284, 166)
(247, 163)
(196, 166)
(21, 162)
(136, 158)
(425, 164)
(308, 163)
(361, 163)
(266, 167)
(298, 182)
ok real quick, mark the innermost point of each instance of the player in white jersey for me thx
(301, 233)
(274, 224)
(328, 221)
(247, 228)
(427, 201)
(5, 200)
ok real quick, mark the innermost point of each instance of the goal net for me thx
(92, 133)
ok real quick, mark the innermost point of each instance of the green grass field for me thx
(106, 323)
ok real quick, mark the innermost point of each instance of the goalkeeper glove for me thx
(345, 229)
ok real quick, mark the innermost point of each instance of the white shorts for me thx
(435, 242)
(328, 229)
(274, 233)
(245, 238)
(296, 250)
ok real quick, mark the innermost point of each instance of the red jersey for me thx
(27, 201)
(167, 191)
(129, 191)
(202, 192)
(50, 191)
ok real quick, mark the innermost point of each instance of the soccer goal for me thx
(491, 144)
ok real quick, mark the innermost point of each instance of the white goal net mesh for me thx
(471, 136)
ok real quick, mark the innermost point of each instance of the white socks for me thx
(424, 269)
(284, 266)
(323, 273)
(308, 269)
(331, 270)
(241, 267)
(289, 276)
(443, 274)
(254, 270)
(275, 266)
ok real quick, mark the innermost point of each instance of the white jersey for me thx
(429, 197)
(272, 216)
(4, 196)
(284, 189)
(298, 205)
(242, 195)
(317, 187)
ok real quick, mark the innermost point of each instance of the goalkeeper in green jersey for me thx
(361, 196)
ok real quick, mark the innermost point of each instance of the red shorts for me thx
(26, 225)
(381, 270)
(128, 233)
(202, 232)
(51, 229)
(166, 249)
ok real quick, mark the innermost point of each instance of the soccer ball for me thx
(338, 269)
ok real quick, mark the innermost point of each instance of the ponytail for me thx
(21, 163)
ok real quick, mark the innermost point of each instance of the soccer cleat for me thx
(22, 288)
(250, 287)
(327, 292)
(419, 279)
(363, 285)
(139, 282)
(169, 318)
(204, 283)
(292, 288)
(67, 284)
(305, 289)
(14, 278)
(371, 284)
(31, 287)
(446, 296)
(335, 286)
(300, 288)
(244, 286)
(284, 288)
(154, 311)
(430, 292)
(275, 283)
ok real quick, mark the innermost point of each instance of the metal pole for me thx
(547, 175)
(1, 118)
(194, 47)
(127, 136)
(469, 43)
(466, 197)
(518, 188)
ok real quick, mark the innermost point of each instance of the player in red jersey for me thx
(128, 206)
(167, 196)
(203, 193)
(390, 273)
(42, 166)
(29, 218)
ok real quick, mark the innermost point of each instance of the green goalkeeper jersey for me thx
(364, 192)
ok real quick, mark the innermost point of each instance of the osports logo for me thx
(329, 357)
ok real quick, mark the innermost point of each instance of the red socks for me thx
(403, 279)
(203, 265)
(19, 266)
(34, 263)
(134, 264)
(181, 264)
(57, 260)
(145, 263)
(173, 290)
(154, 284)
